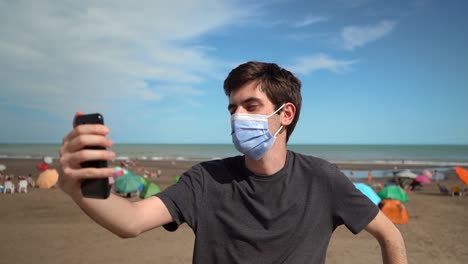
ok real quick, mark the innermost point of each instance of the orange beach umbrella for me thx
(462, 174)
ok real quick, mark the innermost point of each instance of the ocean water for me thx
(431, 155)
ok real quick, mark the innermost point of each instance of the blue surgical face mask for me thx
(250, 134)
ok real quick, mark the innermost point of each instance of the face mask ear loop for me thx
(277, 132)
(276, 111)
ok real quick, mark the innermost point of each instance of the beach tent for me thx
(47, 179)
(394, 210)
(393, 192)
(406, 174)
(368, 191)
(143, 185)
(462, 174)
(150, 190)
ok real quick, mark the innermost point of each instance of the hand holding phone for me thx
(93, 188)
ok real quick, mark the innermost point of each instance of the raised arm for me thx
(390, 239)
(124, 218)
(120, 216)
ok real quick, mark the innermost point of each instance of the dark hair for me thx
(279, 84)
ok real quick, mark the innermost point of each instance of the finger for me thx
(89, 173)
(98, 129)
(70, 134)
(72, 144)
(74, 159)
(86, 129)
(95, 129)
(82, 141)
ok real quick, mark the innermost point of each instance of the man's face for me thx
(250, 99)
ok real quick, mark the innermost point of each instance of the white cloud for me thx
(309, 64)
(309, 20)
(59, 57)
(357, 36)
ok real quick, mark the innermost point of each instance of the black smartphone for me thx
(93, 188)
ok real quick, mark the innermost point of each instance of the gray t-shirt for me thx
(288, 217)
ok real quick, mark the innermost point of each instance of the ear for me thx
(288, 113)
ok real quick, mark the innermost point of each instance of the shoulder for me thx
(313, 163)
(217, 168)
(219, 164)
(322, 172)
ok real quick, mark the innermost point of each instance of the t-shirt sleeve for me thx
(181, 198)
(350, 206)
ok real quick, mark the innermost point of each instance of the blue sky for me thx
(373, 72)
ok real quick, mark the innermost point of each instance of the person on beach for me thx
(31, 181)
(370, 177)
(270, 205)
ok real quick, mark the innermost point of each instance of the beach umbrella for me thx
(393, 192)
(128, 183)
(422, 179)
(427, 173)
(150, 190)
(2, 167)
(176, 179)
(47, 179)
(395, 211)
(368, 191)
(43, 166)
(462, 174)
(406, 174)
(48, 160)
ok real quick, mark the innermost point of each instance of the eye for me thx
(231, 110)
(251, 108)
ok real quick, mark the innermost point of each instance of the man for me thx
(270, 205)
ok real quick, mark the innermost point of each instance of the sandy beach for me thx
(45, 226)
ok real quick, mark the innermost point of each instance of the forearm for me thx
(115, 213)
(390, 239)
(393, 250)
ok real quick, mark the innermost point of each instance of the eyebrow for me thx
(246, 101)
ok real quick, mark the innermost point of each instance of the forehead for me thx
(250, 90)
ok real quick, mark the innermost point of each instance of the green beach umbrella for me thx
(128, 183)
(393, 192)
(176, 179)
(150, 190)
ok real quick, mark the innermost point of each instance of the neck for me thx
(273, 161)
